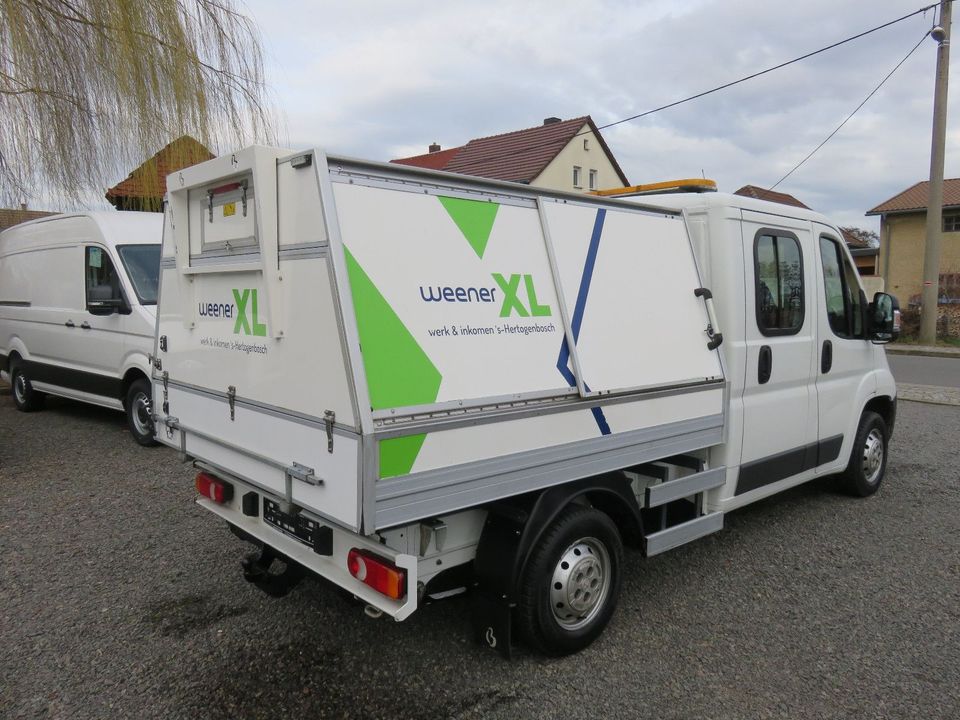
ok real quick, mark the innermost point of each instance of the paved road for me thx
(122, 599)
(921, 370)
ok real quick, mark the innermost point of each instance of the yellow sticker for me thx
(229, 209)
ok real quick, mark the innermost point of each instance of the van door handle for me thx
(765, 364)
(69, 324)
(826, 357)
(85, 325)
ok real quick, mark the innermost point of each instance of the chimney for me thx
(434, 148)
(551, 120)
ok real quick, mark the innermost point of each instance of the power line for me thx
(729, 84)
(855, 110)
(771, 69)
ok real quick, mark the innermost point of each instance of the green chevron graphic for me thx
(474, 218)
(397, 455)
(399, 373)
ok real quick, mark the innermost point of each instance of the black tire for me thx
(589, 543)
(868, 458)
(24, 396)
(139, 405)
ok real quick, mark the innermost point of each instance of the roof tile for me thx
(916, 197)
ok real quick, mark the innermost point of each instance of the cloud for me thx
(384, 79)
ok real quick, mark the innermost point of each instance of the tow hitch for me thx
(256, 569)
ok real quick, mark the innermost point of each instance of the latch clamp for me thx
(232, 400)
(166, 402)
(329, 418)
(303, 474)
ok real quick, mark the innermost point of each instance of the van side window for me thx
(844, 303)
(779, 283)
(102, 282)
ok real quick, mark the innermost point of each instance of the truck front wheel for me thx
(570, 588)
(868, 459)
(139, 407)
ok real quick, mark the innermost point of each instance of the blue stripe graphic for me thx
(563, 361)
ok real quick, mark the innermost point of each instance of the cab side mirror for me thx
(101, 300)
(884, 318)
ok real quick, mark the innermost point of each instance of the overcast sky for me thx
(383, 79)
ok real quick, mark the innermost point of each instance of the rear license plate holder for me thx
(305, 530)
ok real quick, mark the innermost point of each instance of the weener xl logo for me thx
(511, 302)
(242, 326)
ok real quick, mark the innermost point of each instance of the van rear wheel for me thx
(139, 404)
(569, 590)
(24, 396)
(868, 458)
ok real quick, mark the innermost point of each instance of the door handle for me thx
(826, 357)
(69, 324)
(765, 364)
(85, 325)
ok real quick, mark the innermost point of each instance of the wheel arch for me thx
(886, 407)
(131, 375)
(514, 527)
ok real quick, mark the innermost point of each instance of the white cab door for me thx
(844, 353)
(779, 399)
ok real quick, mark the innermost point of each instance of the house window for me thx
(577, 179)
(586, 144)
(593, 179)
(951, 223)
(779, 284)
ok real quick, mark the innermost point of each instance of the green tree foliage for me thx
(91, 88)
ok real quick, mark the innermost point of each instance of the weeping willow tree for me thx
(90, 88)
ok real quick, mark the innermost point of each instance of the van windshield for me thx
(142, 263)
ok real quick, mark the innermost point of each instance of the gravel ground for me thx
(122, 599)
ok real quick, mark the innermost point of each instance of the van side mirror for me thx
(102, 301)
(884, 318)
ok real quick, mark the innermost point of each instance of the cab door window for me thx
(102, 281)
(843, 298)
(778, 265)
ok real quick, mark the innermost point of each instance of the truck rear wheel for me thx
(139, 405)
(570, 589)
(24, 396)
(868, 458)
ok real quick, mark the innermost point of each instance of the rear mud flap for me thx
(492, 623)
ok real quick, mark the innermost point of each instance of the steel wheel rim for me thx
(580, 583)
(20, 388)
(140, 413)
(873, 456)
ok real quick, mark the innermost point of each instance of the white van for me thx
(78, 296)
(411, 383)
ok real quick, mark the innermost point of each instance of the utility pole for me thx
(931, 253)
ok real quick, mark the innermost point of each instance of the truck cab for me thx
(801, 362)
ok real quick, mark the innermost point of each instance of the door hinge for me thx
(232, 399)
(329, 418)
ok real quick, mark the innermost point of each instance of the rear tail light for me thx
(377, 572)
(213, 488)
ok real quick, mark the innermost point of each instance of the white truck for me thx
(78, 294)
(412, 383)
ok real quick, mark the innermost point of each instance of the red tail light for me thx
(211, 487)
(380, 574)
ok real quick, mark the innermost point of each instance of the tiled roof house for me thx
(903, 220)
(143, 188)
(559, 154)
